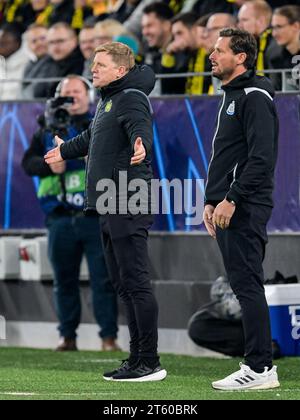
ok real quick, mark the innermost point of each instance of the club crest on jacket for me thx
(108, 106)
(231, 108)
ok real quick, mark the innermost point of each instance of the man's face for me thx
(8, 44)
(87, 42)
(283, 31)
(184, 37)
(61, 43)
(248, 19)
(38, 5)
(201, 36)
(78, 91)
(214, 26)
(37, 41)
(224, 61)
(105, 71)
(154, 30)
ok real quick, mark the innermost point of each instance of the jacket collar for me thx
(116, 86)
(240, 81)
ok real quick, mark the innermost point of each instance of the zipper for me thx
(234, 174)
(98, 109)
(215, 136)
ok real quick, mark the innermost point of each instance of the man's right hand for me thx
(54, 155)
(208, 220)
(58, 168)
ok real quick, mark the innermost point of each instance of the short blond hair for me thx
(120, 53)
(110, 27)
(65, 26)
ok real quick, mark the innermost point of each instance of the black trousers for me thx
(125, 244)
(243, 249)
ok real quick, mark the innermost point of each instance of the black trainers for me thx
(140, 372)
(123, 368)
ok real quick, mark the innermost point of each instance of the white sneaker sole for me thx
(268, 385)
(107, 379)
(155, 377)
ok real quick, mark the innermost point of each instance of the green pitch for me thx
(41, 375)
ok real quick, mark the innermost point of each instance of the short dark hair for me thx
(88, 25)
(242, 42)
(203, 20)
(291, 12)
(161, 10)
(14, 29)
(66, 26)
(187, 19)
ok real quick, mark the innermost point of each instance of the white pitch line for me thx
(97, 361)
(19, 394)
(35, 394)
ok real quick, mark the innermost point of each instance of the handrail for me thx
(158, 76)
(283, 72)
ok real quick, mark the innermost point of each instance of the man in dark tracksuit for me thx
(71, 235)
(120, 140)
(239, 196)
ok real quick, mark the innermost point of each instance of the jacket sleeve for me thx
(260, 126)
(33, 161)
(77, 147)
(134, 114)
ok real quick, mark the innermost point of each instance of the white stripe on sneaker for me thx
(154, 377)
(247, 379)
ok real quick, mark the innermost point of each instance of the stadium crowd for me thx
(52, 38)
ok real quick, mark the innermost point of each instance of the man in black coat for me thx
(64, 58)
(71, 235)
(285, 53)
(238, 196)
(118, 144)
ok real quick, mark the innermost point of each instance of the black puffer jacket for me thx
(73, 64)
(122, 116)
(245, 144)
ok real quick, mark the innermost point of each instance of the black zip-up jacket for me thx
(73, 64)
(123, 115)
(245, 144)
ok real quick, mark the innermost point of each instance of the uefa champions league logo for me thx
(295, 321)
(2, 328)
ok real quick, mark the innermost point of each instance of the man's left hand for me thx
(223, 214)
(139, 152)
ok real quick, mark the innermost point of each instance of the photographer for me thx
(71, 234)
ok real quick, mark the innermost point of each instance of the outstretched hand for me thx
(139, 152)
(54, 155)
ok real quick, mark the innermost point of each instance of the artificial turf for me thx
(27, 374)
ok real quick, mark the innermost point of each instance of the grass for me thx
(28, 374)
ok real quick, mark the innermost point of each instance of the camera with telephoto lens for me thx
(56, 113)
